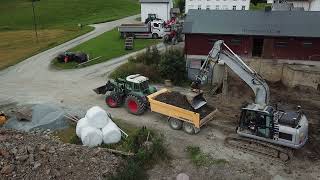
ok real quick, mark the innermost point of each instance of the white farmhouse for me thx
(307, 5)
(217, 4)
(160, 8)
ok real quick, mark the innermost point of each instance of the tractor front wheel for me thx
(135, 105)
(113, 100)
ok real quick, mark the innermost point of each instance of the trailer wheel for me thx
(113, 100)
(135, 105)
(188, 128)
(175, 124)
(155, 36)
(283, 156)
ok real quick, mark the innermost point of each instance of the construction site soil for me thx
(240, 94)
(29, 156)
(177, 99)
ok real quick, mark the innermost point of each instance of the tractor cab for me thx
(139, 84)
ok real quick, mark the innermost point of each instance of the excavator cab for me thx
(257, 123)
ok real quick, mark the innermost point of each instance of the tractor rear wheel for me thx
(113, 100)
(136, 105)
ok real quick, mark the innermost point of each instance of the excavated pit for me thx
(179, 100)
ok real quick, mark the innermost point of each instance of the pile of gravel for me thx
(28, 156)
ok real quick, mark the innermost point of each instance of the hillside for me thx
(57, 22)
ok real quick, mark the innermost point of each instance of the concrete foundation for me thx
(291, 73)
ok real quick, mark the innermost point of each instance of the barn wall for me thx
(274, 48)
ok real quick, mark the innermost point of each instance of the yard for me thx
(108, 45)
(57, 22)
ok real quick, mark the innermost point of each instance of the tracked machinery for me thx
(262, 129)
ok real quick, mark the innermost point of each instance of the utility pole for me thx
(34, 21)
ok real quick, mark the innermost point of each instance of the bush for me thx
(173, 66)
(145, 156)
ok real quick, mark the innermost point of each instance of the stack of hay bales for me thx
(97, 128)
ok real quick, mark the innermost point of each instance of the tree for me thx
(173, 66)
(181, 5)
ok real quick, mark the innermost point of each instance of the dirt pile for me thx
(176, 99)
(27, 156)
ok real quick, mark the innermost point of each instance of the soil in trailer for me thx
(177, 99)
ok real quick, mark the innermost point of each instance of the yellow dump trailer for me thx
(178, 117)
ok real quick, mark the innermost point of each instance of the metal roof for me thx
(154, 1)
(261, 23)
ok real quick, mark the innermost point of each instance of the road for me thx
(33, 81)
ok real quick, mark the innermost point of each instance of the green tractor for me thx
(132, 92)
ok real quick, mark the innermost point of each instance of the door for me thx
(257, 47)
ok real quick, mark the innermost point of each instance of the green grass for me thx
(259, 6)
(17, 14)
(108, 45)
(57, 22)
(199, 158)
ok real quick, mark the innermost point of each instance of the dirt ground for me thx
(240, 165)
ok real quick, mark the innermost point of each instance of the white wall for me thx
(311, 5)
(304, 4)
(217, 4)
(162, 10)
(315, 5)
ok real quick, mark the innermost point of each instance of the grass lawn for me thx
(108, 45)
(57, 22)
(18, 45)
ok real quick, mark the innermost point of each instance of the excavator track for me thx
(264, 149)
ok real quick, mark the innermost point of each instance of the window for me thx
(212, 41)
(199, 7)
(235, 42)
(243, 7)
(208, 7)
(225, 7)
(190, 6)
(307, 44)
(234, 7)
(285, 136)
(281, 44)
(217, 6)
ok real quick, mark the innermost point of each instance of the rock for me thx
(31, 158)
(36, 165)
(30, 149)
(7, 169)
(182, 176)
(42, 147)
(48, 171)
(14, 151)
(22, 157)
(52, 150)
(4, 153)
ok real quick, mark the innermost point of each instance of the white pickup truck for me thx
(153, 29)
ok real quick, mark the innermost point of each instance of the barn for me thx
(287, 35)
(159, 8)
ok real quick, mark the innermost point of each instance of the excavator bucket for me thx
(196, 99)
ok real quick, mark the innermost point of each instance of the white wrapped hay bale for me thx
(111, 133)
(81, 124)
(91, 136)
(97, 117)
